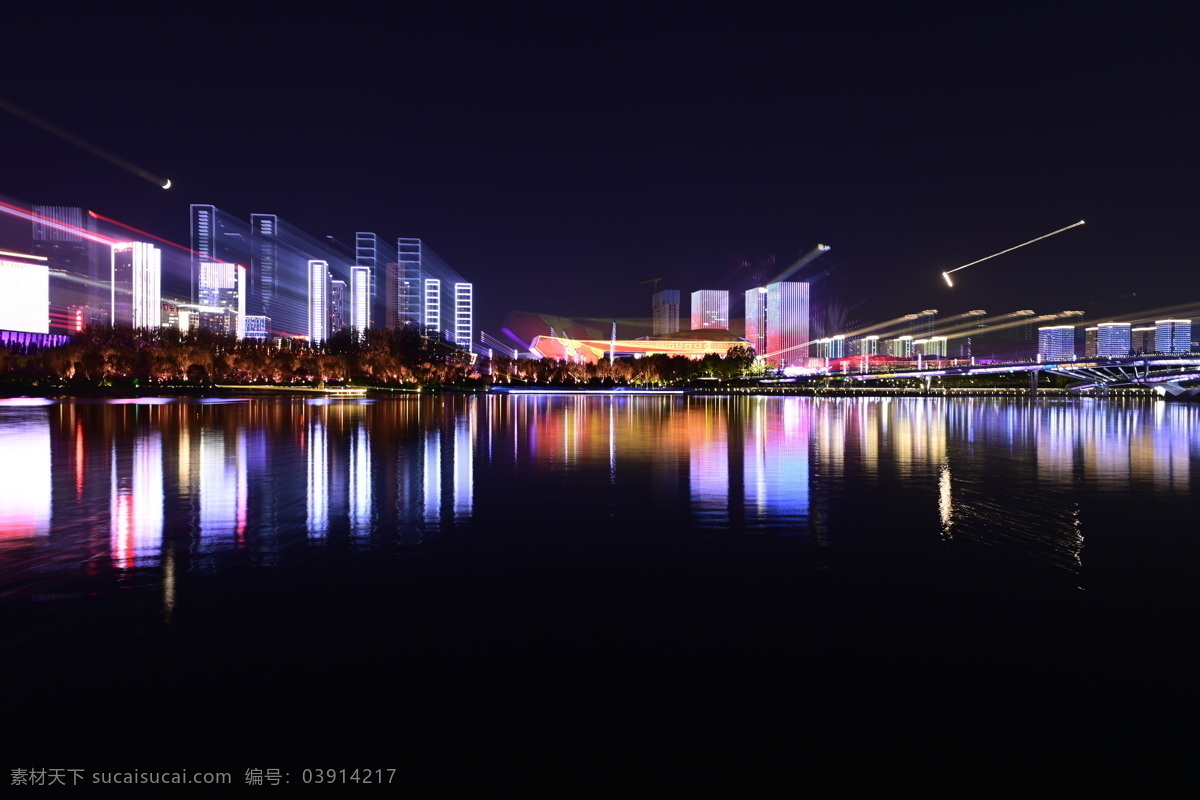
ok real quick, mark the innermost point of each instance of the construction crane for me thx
(655, 281)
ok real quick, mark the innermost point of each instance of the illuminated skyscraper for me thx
(374, 255)
(318, 301)
(404, 303)
(901, 347)
(136, 285)
(432, 321)
(265, 264)
(777, 322)
(756, 319)
(1173, 335)
(463, 314)
(710, 309)
(1056, 343)
(666, 311)
(79, 264)
(360, 299)
(787, 310)
(215, 240)
(218, 284)
(931, 346)
(278, 275)
(1142, 339)
(1113, 339)
(339, 316)
(922, 326)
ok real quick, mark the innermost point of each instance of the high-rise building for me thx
(265, 264)
(432, 322)
(1173, 335)
(922, 326)
(756, 319)
(777, 322)
(463, 314)
(666, 311)
(901, 347)
(79, 262)
(339, 316)
(1141, 339)
(372, 253)
(279, 256)
(360, 299)
(217, 284)
(1056, 343)
(868, 346)
(1091, 341)
(136, 285)
(787, 310)
(931, 346)
(406, 298)
(319, 290)
(422, 291)
(710, 309)
(1113, 339)
(81, 317)
(215, 240)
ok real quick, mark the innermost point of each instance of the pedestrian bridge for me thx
(1168, 374)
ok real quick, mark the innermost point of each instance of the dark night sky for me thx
(559, 158)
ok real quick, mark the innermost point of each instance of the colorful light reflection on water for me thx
(115, 490)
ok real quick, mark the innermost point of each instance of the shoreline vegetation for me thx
(101, 360)
(108, 362)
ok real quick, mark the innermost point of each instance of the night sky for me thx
(559, 158)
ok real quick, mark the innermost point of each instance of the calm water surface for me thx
(119, 491)
(621, 539)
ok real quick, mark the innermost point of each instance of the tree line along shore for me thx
(118, 358)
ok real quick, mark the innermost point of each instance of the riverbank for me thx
(707, 388)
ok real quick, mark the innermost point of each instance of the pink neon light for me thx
(32, 217)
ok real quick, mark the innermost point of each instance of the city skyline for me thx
(776, 327)
(559, 179)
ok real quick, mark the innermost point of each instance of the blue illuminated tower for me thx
(1113, 339)
(464, 301)
(1173, 335)
(319, 291)
(432, 321)
(1056, 343)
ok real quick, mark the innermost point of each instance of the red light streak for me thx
(141, 232)
(62, 226)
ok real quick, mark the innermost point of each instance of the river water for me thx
(942, 585)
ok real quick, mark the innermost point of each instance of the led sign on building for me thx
(24, 297)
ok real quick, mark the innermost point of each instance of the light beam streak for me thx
(67, 136)
(947, 273)
(803, 261)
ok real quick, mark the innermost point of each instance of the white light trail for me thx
(946, 274)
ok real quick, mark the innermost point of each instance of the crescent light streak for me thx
(67, 136)
(946, 274)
